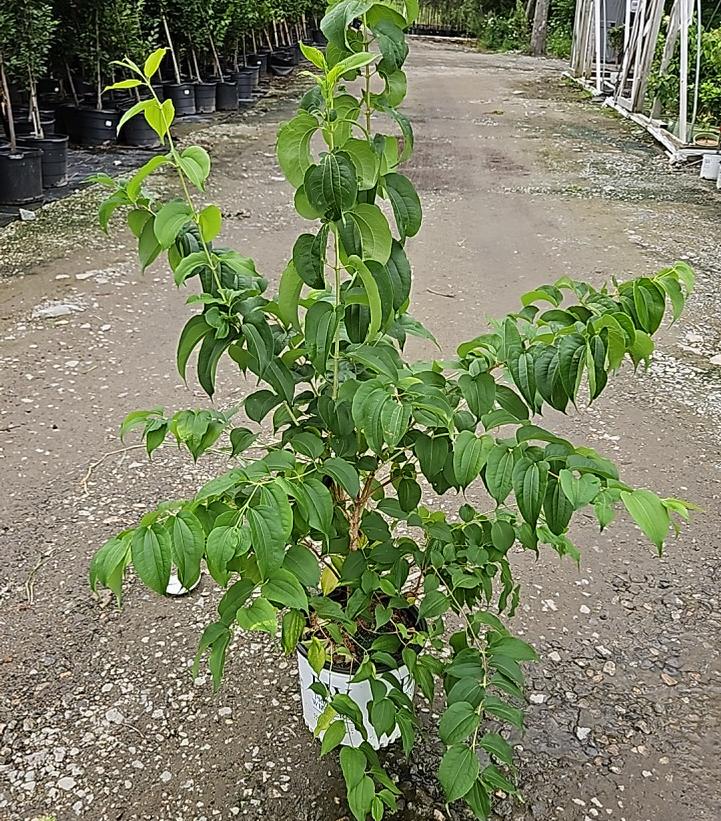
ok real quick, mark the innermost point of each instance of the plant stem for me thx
(186, 191)
(336, 341)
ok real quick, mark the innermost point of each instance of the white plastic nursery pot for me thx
(340, 682)
(175, 587)
(710, 166)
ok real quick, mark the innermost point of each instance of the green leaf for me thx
(151, 554)
(360, 798)
(458, 771)
(529, 486)
(267, 537)
(234, 598)
(316, 655)
(365, 160)
(189, 266)
(432, 452)
(313, 55)
(293, 146)
(339, 17)
(497, 746)
(406, 204)
(458, 722)
(220, 548)
(497, 708)
(133, 111)
(374, 297)
(331, 186)
(188, 547)
(374, 231)
(288, 296)
(170, 221)
(309, 254)
(479, 392)
(210, 222)
(241, 439)
(395, 417)
(260, 615)
(283, 588)
(320, 329)
(292, 627)
(581, 491)
(571, 359)
(383, 716)
(343, 474)
(434, 604)
(649, 513)
(332, 737)
(152, 64)
(469, 455)
(303, 565)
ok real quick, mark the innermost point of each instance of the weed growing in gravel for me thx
(325, 540)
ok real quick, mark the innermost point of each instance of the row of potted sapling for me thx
(35, 154)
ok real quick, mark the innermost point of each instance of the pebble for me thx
(66, 783)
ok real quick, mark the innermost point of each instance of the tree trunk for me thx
(540, 28)
(176, 68)
(8, 105)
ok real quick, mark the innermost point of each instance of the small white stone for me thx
(537, 698)
(66, 783)
(114, 716)
(609, 668)
(582, 733)
(554, 656)
(584, 609)
(165, 776)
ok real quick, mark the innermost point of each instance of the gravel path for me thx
(522, 181)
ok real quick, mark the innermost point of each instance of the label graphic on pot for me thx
(186, 91)
(108, 123)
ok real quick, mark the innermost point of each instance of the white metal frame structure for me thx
(627, 90)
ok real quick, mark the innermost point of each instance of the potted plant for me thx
(325, 539)
(21, 179)
(34, 28)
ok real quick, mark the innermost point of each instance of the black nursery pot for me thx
(54, 161)
(205, 97)
(24, 127)
(226, 96)
(136, 131)
(319, 38)
(246, 85)
(183, 97)
(281, 65)
(97, 127)
(258, 60)
(21, 176)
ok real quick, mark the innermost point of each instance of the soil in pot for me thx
(21, 178)
(54, 160)
(205, 97)
(226, 96)
(182, 95)
(97, 127)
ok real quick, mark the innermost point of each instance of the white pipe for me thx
(683, 73)
(597, 21)
(697, 79)
(627, 26)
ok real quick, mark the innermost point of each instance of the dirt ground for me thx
(522, 181)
